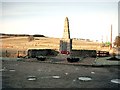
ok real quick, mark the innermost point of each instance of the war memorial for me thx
(65, 46)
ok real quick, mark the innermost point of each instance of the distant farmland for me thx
(21, 43)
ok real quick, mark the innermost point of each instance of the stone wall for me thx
(41, 52)
(84, 53)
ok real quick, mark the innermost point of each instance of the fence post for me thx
(18, 54)
(6, 53)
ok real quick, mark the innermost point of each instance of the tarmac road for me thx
(15, 75)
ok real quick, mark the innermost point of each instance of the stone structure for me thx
(41, 52)
(66, 34)
(66, 42)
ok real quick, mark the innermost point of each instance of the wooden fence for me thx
(13, 53)
(102, 53)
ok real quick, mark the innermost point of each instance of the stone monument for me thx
(66, 42)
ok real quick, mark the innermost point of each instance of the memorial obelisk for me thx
(66, 33)
(66, 42)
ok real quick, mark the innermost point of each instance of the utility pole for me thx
(111, 38)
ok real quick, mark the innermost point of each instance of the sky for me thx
(88, 19)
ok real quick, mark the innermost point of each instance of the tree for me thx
(117, 41)
(107, 44)
(30, 38)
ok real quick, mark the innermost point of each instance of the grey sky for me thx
(86, 18)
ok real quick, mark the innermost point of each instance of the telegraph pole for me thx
(111, 38)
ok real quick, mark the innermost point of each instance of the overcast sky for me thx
(88, 19)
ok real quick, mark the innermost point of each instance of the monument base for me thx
(65, 46)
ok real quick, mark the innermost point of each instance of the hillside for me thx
(2, 35)
(21, 43)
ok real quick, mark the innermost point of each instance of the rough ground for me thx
(22, 43)
(101, 76)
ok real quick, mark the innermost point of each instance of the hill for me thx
(13, 44)
(2, 35)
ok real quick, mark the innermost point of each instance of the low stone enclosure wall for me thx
(51, 52)
(84, 53)
(42, 52)
(89, 53)
(29, 53)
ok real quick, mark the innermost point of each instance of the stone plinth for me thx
(66, 45)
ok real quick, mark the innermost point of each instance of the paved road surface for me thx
(15, 75)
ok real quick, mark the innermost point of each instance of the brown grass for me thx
(22, 44)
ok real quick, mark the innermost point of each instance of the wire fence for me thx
(13, 53)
